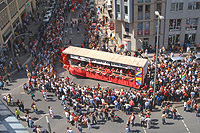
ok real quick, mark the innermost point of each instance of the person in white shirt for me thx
(127, 107)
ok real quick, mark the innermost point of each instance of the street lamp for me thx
(154, 87)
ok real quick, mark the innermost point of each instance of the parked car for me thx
(48, 13)
(46, 19)
(49, 10)
(174, 59)
(197, 58)
(51, 7)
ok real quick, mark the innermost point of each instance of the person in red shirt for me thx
(166, 94)
(67, 78)
(145, 86)
(132, 104)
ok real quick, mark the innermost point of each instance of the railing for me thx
(100, 70)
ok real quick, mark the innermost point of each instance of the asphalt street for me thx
(185, 122)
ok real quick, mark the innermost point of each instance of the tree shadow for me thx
(57, 117)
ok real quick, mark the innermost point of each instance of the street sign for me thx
(112, 26)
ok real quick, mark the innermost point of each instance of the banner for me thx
(138, 76)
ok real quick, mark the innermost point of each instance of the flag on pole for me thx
(183, 76)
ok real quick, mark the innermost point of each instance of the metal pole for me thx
(16, 38)
(49, 127)
(154, 87)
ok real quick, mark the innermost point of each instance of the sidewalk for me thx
(23, 57)
(8, 122)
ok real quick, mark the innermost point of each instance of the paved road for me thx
(187, 122)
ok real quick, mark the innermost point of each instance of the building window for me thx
(118, 8)
(147, 12)
(198, 5)
(140, 12)
(174, 24)
(194, 5)
(147, 28)
(173, 6)
(140, 29)
(126, 9)
(190, 38)
(174, 40)
(159, 8)
(140, 1)
(127, 27)
(4, 18)
(178, 6)
(13, 9)
(191, 24)
(147, 0)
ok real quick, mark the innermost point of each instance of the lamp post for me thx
(24, 34)
(154, 87)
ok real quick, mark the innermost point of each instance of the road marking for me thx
(43, 115)
(5, 94)
(22, 93)
(142, 127)
(17, 87)
(183, 122)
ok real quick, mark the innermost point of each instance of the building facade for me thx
(182, 23)
(11, 13)
(136, 23)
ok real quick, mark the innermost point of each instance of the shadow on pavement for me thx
(95, 127)
(156, 110)
(38, 100)
(34, 118)
(57, 117)
(50, 100)
(169, 123)
(41, 112)
(135, 131)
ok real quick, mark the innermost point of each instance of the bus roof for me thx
(106, 56)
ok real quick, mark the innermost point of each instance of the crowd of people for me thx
(85, 105)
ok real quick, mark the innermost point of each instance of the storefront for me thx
(28, 9)
(23, 14)
(7, 36)
(16, 25)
